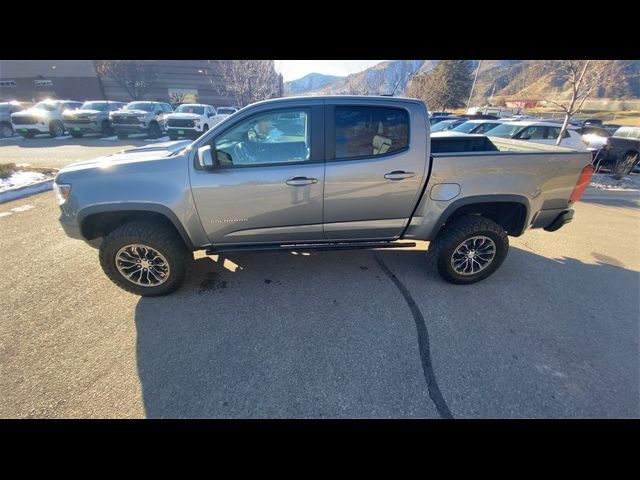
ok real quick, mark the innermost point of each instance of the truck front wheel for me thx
(469, 249)
(145, 258)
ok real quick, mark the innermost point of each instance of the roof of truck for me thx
(372, 98)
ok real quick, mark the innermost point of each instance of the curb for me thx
(26, 191)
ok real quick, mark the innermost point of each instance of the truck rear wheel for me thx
(145, 258)
(154, 130)
(469, 249)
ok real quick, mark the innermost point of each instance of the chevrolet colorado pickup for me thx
(317, 173)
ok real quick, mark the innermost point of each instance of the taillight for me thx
(583, 183)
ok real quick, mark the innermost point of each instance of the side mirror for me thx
(209, 114)
(205, 158)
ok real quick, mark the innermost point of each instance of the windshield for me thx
(190, 109)
(443, 126)
(465, 127)
(226, 111)
(146, 106)
(47, 105)
(505, 130)
(101, 106)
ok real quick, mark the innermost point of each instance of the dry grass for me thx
(6, 169)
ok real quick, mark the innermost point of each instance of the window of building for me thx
(7, 83)
(43, 83)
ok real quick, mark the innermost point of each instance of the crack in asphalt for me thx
(423, 344)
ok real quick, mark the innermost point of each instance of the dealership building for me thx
(177, 81)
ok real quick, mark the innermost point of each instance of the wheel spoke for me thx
(142, 265)
(473, 255)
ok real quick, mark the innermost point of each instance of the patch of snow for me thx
(160, 139)
(20, 179)
(63, 137)
(5, 214)
(604, 181)
(110, 139)
(23, 208)
(15, 193)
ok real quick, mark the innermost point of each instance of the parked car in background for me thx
(620, 153)
(439, 114)
(479, 116)
(223, 112)
(190, 120)
(611, 127)
(594, 137)
(6, 109)
(43, 117)
(446, 125)
(472, 127)
(582, 122)
(538, 132)
(91, 117)
(141, 117)
(439, 118)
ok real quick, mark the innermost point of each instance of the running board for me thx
(304, 247)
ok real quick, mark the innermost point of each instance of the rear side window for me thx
(370, 131)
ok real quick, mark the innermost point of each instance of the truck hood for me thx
(125, 113)
(31, 111)
(186, 116)
(81, 113)
(156, 151)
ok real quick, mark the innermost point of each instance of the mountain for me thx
(312, 81)
(379, 79)
(497, 78)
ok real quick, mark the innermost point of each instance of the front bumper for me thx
(93, 127)
(191, 132)
(31, 127)
(129, 128)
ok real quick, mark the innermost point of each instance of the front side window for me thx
(484, 127)
(226, 111)
(370, 131)
(269, 138)
(532, 133)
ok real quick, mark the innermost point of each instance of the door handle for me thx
(301, 181)
(398, 175)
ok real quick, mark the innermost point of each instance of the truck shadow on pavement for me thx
(329, 334)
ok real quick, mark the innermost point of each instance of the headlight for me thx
(62, 191)
(141, 119)
(197, 122)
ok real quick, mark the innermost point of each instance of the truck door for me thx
(376, 162)
(267, 184)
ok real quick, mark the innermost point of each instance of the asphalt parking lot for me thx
(366, 334)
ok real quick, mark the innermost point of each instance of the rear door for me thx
(376, 159)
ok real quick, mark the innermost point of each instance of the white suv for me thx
(190, 120)
(43, 117)
(538, 132)
(224, 112)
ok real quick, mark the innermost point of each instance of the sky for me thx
(293, 69)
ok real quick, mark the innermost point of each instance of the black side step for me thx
(303, 247)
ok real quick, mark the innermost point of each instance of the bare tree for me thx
(246, 81)
(582, 77)
(177, 97)
(136, 77)
(446, 86)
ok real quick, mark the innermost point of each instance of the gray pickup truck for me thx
(310, 173)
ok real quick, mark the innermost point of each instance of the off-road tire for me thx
(173, 136)
(441, 249)
(6, 131)
(161, 238)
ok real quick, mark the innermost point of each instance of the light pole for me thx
(474, 84)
